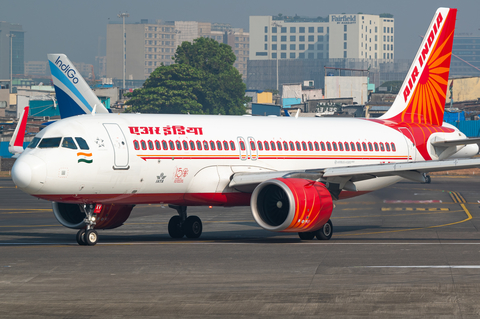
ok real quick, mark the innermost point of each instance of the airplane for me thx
(95, 168)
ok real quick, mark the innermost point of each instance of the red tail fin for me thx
(422, 96)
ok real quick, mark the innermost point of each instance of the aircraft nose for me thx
(29, 173)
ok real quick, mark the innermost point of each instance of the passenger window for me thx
(212, 145)
(297, 144)
(192, 145)
(172, 145)
(382, 147)
(364, 146)
(242, 145)
(232, 146)
(136, 145)
(279, 146)
(199, 145)
(316, 146)
(334, 146)
(144, 145)
(310, 146)
(252, 145)
(292, 146)
(329, 147)
(165, 145)
(81, 143)
(285, 146)
(34, 142)
(157, 145)
(267, 148)
(272, 146)
(387, 146)
(347, 148)
(340, 146)
(352, 146)
(185, 145)
(69, 143)
(150, 145)
(322, 145)
(304, 146)
(225, 145)
(205, 145)
(393, 148)
(50, 142)
(219, 145)
(376, 146)
(370, 147)
(179, 145)
(260, 146)
(359, 147)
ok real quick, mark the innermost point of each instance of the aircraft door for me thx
(242, 147)
(253, 148)
(410, 145)
(119, 143)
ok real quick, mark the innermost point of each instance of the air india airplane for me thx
(96, 167)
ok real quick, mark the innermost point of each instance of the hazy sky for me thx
(74, 27)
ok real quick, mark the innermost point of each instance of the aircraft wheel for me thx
(175, 227)
(325, 233)
(193, 227)
(307, 235)
(91, 237)
(81, 237)
(428, 180)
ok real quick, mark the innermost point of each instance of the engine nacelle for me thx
(291, 205)
(111, 216)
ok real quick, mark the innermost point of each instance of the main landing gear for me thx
(324, 233)
(181, 225)
(88, 236)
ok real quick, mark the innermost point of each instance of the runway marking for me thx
(427, 201)
(323, 243)
(455, 196)
(25, 209)
(203, 221)
(28, 226)
(384, 209)
(390, 215)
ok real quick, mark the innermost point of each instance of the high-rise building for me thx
(465, 55)
(351, 36)
(149, 45)
(17, 49)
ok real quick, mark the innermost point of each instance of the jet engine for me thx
(291, 205)
(111, 216)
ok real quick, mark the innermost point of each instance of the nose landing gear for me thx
(181, 225)
(88, 236)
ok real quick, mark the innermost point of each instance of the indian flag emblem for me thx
(85, 157)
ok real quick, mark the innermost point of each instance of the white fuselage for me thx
(127, 161)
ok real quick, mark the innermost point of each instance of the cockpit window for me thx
(81, 143)
(50, 142)
(69, 143)
(34, 142)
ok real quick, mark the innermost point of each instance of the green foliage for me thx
(386, 15)
(203, 81)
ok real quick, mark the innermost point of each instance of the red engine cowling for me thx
(291, 205)
(111, 216)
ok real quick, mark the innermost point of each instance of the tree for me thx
(203, 81)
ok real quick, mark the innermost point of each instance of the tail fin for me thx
(74, 96)
(16, 143)
(422, 96)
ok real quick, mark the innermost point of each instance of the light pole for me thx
(277, 26)
(11, 36)
(123, 16)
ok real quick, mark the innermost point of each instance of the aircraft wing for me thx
(409, 170)
(464, 141)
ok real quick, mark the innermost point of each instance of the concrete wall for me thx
(347, 86)
(464, 89)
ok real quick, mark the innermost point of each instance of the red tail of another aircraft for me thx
(421, 99)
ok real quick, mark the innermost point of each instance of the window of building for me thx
(292, 46)
(293, 30)
(320, 29)
(301, 55)
(274, 39)
(301, 29)
(344, 45)
(344, 54)
(301, 46)
(345, 37)
(284, 30)
(274, 55)
(311, 38)
(283, 47)
(311, 29)
(293, 38)
(284, 38)
(266, 29)
(301, 38)
(320, 38)
(320, 47)
(311, 47)
(345, 28)
(266, 38)
(274, 47)
(274, 29)
(283, 55)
